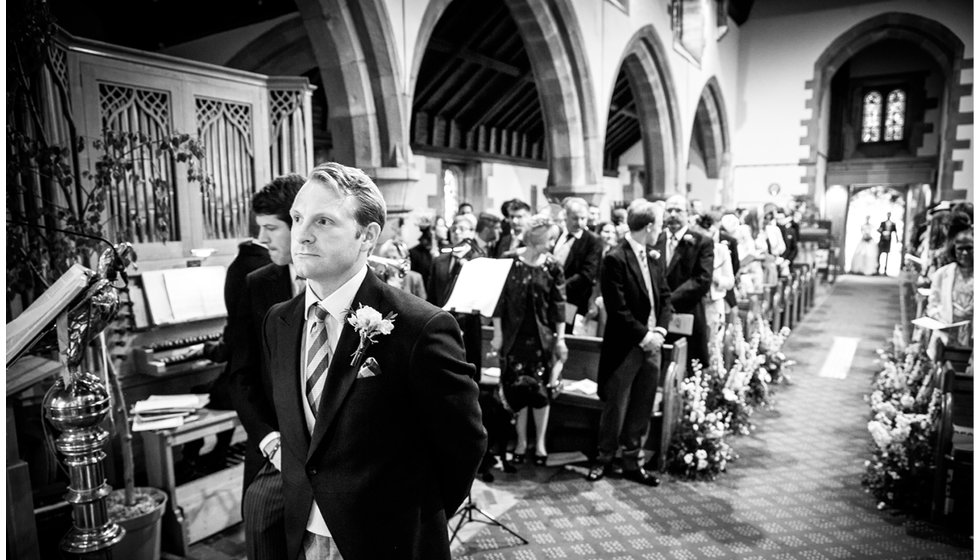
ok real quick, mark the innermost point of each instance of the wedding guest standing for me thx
(689, 262)
(380, 430)
(578, 251)
(951, 296)
(638, 303)
(529, 335)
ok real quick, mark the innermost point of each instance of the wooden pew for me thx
(574, 420)
(952, 499)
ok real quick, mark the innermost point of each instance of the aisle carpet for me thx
(794, 493)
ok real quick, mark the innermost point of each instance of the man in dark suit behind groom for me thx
(379, 440)
(688, 258)
(265, 538)
(638, 303)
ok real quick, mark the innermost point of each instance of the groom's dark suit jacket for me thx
(628, 307)
(393, 455)
(689, 277)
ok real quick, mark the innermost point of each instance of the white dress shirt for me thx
(641, 255)
(564, 245)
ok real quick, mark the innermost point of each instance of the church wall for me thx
(776, 60)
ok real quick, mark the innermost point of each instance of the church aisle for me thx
(795, 491)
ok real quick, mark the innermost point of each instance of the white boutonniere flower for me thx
(688, 238)
(655, 254)
(368, 323)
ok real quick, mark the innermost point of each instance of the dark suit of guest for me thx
(628, 376)
(503, 246)
(581, 270)
(791, 236)
(689, 277)
(421, 261)
(261, 503)
(251, 256)
(732, 245)
(442, 279)
(390, 456)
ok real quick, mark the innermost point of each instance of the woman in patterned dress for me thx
(528, 335)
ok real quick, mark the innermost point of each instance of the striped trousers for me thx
(262, 510)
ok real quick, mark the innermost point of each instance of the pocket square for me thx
(369, 368)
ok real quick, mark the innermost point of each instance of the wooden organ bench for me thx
(203, 506)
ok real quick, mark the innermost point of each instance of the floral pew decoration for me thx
(698, 449)
(905, 413)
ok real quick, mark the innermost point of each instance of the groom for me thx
(378, 448)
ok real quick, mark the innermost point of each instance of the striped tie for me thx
(317, 357)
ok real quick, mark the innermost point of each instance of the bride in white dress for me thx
(865, 259)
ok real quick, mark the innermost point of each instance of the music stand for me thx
(465, 514)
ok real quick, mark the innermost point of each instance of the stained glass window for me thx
(871, 120)
(895, 116)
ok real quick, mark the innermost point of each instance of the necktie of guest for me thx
(671, 247)
(317, 357)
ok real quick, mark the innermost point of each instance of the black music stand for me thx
(465, 514)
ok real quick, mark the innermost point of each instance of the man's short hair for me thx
(572, 201)
(640, 214)
(352, 182)
(516, 205)
(276, 198)
(486, 220)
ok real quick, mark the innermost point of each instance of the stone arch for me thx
(553, 42)
(935, 39)
(711, 123)
(283, 50)
(644, 62)
(352, 45)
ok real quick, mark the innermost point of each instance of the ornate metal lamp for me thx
(78, 403)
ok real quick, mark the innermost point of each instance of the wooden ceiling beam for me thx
(473, 57)
(505, 99)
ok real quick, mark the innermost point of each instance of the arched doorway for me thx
(886, 109)
(708, 156)
(643, 113)
(935, 41)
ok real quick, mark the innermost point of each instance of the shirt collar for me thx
(679, 235)
(337, 303)
(637, 247)
(576, 235)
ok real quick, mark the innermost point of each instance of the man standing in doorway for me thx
(380, 429)
(886, 234)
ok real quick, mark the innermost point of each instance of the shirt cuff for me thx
(269, 438)
(661, 330)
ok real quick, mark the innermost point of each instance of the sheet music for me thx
(196, 293)
(185, 294)
(55, 300)
(155, 288)
(479, 285)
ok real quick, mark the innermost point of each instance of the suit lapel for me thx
(286, 374)
(633, 264)
(341, 374)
